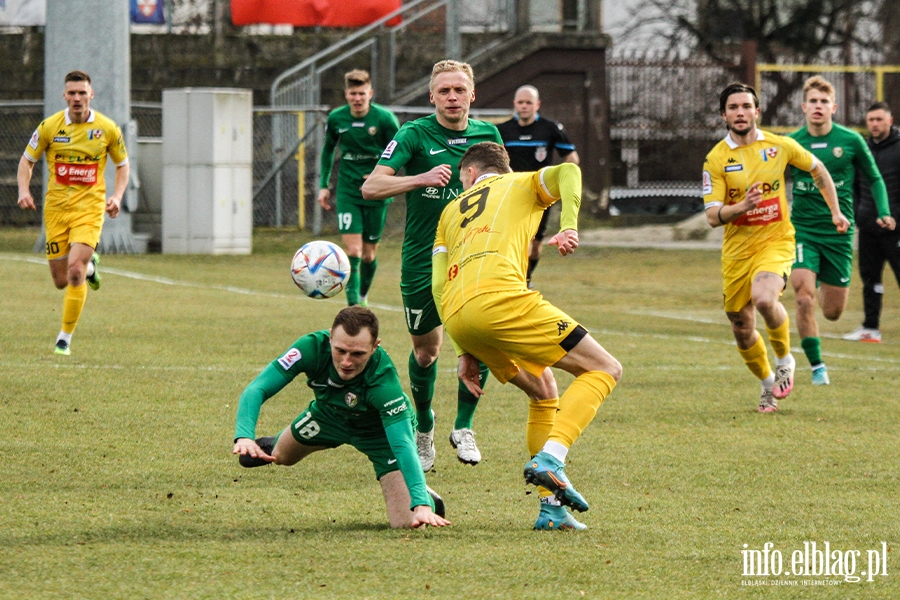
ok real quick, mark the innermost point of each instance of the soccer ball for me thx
(320, 269)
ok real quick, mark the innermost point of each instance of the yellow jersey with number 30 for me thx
(76, 157)
(486, 233)
(728, 173)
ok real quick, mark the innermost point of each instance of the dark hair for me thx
(77, 76)
(353, 318)
(486, 156)
(736, 88)
(880, 106)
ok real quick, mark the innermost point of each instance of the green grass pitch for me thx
(117, 479)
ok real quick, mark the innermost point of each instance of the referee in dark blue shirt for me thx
(530, 140)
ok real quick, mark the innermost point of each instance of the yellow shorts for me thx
(509, 330)
(737, 275)
(64, 228)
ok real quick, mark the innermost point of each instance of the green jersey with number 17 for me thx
(418, 147)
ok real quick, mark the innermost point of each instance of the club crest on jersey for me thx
(838, 152)
(95, 134)
(768, 153)
(351, 399)
(373, 130)
(540, 154)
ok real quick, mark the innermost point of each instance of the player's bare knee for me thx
(426, 355)
(284, 460)
(832, 314)
(614, 368)
(805, 301)
(765, 303)
(76, 275)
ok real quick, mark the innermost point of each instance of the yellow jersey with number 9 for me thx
(729, 172)
(486, 232)
(76, 157)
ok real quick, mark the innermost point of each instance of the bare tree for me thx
(795, 31)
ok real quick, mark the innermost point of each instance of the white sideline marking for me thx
(388, 307)
(45, 365)
(201, 286)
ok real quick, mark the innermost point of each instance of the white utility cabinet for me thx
(207, 153)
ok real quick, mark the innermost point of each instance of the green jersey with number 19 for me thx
(418, 147)
(362, 141)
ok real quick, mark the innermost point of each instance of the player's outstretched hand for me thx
(469, 373)
(246, 446)
(423, 516)
(887, 223)
(439, 176)
(566, 240)
(841, 223)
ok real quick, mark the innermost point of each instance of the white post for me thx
(93, 36)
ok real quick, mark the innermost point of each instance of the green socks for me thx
(466, 402)
(421, 382)
(352, 289)
(366, 275)
(812, 347)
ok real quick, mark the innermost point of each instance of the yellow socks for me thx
(541, 416)
(756, 359)
(780, 338)
(579, 404)
(73, 303)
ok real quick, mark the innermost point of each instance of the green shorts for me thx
(317, 428)
(367, 220)
(421, 312)
(830, 257)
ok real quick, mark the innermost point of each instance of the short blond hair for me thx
(356, 78)
(818, 83)
(452, 66)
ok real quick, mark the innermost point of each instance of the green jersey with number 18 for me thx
(418, 147)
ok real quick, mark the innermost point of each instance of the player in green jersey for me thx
(362, 129)
(429, 149)
(824, 233)
(358, 401)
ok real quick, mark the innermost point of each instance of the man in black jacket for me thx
(878, 241)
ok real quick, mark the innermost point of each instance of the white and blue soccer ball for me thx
(321, 269)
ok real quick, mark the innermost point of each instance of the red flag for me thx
(311, 13)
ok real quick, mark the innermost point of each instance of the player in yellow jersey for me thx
(480, 260)
(76, 142)
(744, 191)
